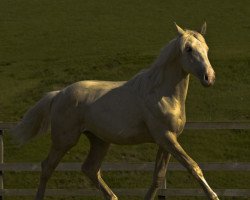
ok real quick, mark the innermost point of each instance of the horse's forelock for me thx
(191, 33)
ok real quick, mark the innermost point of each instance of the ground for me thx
(46, 45)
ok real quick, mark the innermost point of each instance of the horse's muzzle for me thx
(208, 78)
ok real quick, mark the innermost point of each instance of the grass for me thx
(46, 45)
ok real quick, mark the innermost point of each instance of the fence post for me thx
(1, 161)
(162, 196)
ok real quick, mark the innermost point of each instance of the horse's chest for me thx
(172, 113)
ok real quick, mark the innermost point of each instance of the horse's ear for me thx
(203, 29)
(179, 29)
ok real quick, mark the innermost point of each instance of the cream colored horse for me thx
(149, 108)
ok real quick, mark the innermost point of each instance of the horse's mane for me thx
(148, 79)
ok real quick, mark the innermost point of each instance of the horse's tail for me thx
(35, 121)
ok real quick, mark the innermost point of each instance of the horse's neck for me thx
(165, 78)
(175, 84)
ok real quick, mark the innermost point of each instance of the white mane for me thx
(147, 79)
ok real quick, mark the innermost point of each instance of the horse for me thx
(148, 108)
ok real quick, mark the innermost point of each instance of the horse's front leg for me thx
(168, 142)
(160, 170)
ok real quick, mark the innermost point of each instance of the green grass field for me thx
(46, 45)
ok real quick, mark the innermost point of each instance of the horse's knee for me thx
(85, 168)
(44, 164)
(45, 170)
(196, 171)
(158, 182)
(95, 176)
(88, 170)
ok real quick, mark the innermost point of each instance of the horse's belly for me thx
(130, 134)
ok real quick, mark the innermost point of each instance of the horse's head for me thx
(194, 58)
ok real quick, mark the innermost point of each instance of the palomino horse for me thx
(149, 108)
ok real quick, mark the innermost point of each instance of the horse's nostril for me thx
(206, 77)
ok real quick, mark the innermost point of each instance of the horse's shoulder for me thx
(168, 114)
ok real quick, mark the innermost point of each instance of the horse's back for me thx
(69, 105)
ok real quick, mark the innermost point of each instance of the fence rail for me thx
(189, 125)
(36, 167)
(170, 192)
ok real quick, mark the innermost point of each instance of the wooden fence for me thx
(162, 194)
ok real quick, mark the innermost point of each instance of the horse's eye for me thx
(188, 49)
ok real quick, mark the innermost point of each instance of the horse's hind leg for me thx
(161, 163)
(92, 164)
(60, 145)
(48, 166)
